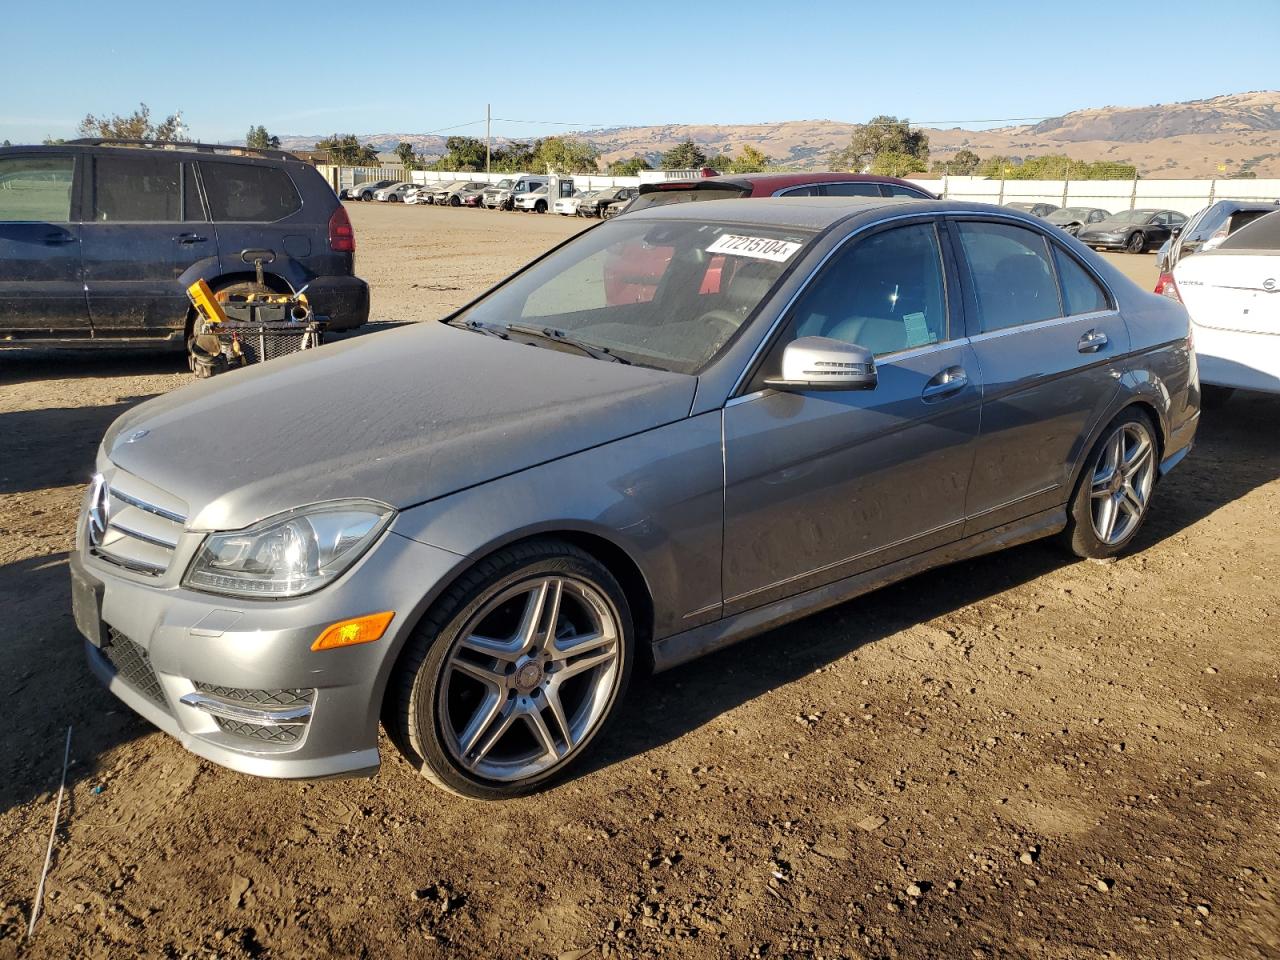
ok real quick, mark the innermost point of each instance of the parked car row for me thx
(1134, 231)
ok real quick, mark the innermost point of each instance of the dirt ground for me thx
(1017, 756)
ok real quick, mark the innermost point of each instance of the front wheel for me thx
(1137, 243)
(514, 671)
(540, 207)
(1114, 493)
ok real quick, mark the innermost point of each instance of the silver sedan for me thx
(674, 431)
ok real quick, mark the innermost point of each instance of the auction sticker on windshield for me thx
(762, 248)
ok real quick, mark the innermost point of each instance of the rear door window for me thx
(244, 192)
(36, 189)
(897, 190)
(1012, 278)
(1080, 292)
(851, 189)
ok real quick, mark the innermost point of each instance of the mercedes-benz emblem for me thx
(99, 512)
(1269, 284)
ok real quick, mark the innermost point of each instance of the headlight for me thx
(291, 554)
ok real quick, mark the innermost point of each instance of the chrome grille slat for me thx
(143, 525)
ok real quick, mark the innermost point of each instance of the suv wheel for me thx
(514, 671)
(540, 207)
(1113, 494)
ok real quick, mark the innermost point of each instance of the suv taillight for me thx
(342, 239)
(1166, 287)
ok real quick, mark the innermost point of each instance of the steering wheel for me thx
(727, 321)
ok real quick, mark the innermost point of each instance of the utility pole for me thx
(488, 117)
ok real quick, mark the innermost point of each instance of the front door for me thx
(823, 485)
(41, 287)
(146, 227)
(1050, 345)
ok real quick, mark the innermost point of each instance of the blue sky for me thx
(322, 67)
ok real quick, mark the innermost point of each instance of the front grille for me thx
(134, 525)
(133, 666)
(253, 731)
(259, 698)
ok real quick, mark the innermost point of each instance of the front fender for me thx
(657, 497)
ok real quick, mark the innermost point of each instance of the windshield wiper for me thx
(559, 336)
(492, 329)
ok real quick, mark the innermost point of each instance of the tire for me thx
(1212, 398)
(1137, 243)
(454, 201)
(540, 207)
(1110, 506)
(499, 719)
(393, 198)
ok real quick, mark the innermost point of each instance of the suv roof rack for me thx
(223, 148)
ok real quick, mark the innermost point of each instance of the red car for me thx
(636, 281)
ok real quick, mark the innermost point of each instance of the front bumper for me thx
(1109, 243)
(344, 300)
(236, 681)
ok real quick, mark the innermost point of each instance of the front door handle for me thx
(945, 384)
(189, 238)
(1092, 342)
(56, 238)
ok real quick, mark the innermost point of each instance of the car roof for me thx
(137, 148)
(777, 181)
(813, 213)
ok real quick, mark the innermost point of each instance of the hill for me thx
(1228, 134)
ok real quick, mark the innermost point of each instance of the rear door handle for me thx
(1092, 342)
(189, 238)
(945, 384)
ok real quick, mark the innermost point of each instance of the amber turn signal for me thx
(346, 633)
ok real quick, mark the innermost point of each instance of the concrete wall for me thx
(1185, 196)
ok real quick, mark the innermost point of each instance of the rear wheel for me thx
(1114, 492)
(1137, 242)
(454, 201)
(514, 671)
(201, 350)
(540, 207)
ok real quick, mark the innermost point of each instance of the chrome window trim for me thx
(1040, 325)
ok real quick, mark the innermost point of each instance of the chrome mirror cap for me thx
(821, 363)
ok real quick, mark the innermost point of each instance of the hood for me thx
(401, 417)
(1113, 226)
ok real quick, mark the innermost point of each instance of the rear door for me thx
(1050, 344)
(41, 285)
(145, 227)
(253, 207)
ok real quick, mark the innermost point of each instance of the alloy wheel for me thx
(1136, 243)
(1121, 486)
(530, 677)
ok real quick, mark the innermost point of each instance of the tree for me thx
(516, 157)
(407, 157)
(259, 139)
(750, 160)
(345, 149)
(963, 164)
(6, 144)
(565, 156)
(883, 134)
(136, 126)
(893, 163)
(720, 162)
(462, 153)
(684, 156)
(629, 168)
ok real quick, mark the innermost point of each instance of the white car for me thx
(568, 206)
(394, 193)
(535, 200)
(420, 194)
(1233, 295)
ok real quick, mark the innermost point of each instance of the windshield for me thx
(666, 294)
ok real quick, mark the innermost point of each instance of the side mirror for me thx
(1176, 232)
(821, 363)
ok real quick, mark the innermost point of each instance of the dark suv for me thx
(99, 239)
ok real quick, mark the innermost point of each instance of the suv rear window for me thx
(248, 192)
